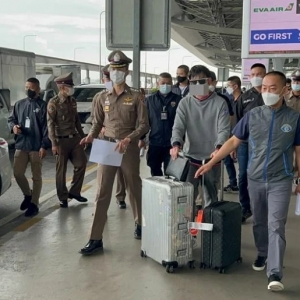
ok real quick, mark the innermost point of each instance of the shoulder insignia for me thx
(51, 108)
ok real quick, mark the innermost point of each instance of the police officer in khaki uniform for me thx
(121, 109)
(65, 133)
(121, 189)
(292, 100)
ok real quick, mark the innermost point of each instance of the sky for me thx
(70, 29)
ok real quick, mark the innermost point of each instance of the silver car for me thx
(5, 167)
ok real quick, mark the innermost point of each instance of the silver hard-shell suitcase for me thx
(167, 208)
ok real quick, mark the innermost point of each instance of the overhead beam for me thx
(208, 28)
(219, 51)
(225, 61)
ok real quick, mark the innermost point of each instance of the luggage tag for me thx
(164, 114)
(27, 123)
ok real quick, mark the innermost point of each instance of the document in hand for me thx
(103, 152)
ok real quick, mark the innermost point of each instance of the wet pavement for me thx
(39, 259)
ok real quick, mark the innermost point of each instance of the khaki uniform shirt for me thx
(62, 118)
(120, 114)
(293, 101)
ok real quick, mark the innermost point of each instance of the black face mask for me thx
(181, 79)
(31, 94)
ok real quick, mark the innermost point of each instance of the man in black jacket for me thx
(181, 88)
(249, 100)
(161, 108)
(29, 124)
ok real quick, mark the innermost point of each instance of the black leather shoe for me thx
(91, 247)
(78, 198)
(32, 210)
(26, 202)
(121, 204)
(138, 232)
(63, 203)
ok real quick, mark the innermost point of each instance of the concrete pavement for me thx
(39, 260)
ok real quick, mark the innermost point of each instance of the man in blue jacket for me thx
(28, 122)
(161, 108)
(273, 132)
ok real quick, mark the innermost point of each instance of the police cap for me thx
(296, 75)
(118, 59)
(66, 79)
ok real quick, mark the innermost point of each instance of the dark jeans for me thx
(243, 157)
(156, 156)
(230, 168)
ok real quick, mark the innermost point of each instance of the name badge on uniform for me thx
(106, 108)
(164, 114)
(27, 123)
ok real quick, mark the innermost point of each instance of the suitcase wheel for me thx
(169, 269)
(192, 264)
(143, 254)
(222, 271)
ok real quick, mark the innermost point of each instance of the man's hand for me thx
(233, 155)
(297, 189)
(142, 144)
(87, 140)
(203, 169)
(102, 130)
(122, 145)
(174, 152)
(55, 150)
(17, 129)
(42, 153)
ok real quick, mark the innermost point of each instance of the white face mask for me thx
(70, 91)
(296, 87)
(229, 90)
(117, 77)
(211, 88)
(256, 81)
(270, 98)
(108, 85)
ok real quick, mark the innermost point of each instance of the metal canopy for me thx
(218, 28)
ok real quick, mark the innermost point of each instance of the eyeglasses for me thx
(198, 81)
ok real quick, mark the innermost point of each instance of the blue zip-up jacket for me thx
(272, 136)
(161, 130)
(36, 136)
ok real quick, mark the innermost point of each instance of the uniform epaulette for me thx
(135, 90)
(55, 99)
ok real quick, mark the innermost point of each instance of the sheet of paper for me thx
(103, 152)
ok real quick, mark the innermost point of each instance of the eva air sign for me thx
(273, 9)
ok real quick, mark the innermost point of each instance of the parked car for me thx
(5, 167)
(84, 95)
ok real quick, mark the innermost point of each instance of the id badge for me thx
(164, 115)
(27, 123)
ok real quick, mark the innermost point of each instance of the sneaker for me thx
(231, 188)
(275, 284)
(138, 232)
(259, 264)
(32, 210)
(121, 204)
(246, 215)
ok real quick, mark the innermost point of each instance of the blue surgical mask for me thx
(296, 87)
(165, 88)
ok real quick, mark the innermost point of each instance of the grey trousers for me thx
(211, 182)
(270, 204)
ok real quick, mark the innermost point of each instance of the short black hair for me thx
(236, 80)
(258, 65)
(185, 68)
(33, 80)
(199, 69)
(288, 80)
(165, 75)
(281, 76)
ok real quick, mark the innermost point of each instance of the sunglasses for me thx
(199, 81)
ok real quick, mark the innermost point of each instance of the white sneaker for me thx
(275, 284)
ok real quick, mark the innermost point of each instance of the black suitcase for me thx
(221, 247)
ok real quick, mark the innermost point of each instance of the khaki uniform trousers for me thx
(130, 168)
(69, 149)
(121, 187)
(21, 160)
